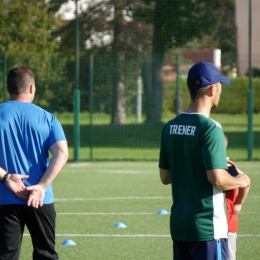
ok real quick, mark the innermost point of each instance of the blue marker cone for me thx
(119, 225)
(162, 212)
(68, 243)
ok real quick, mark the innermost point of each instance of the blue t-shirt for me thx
(26, 134)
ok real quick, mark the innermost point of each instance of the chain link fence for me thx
(129, 71)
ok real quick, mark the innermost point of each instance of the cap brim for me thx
(225, 80)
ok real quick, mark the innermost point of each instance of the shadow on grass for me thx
(138, 136)
(239, 140)
(132, 136)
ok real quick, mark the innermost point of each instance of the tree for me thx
(223, 34)
(109, 28)
(26, 40)
(175, 23)
(26, 27)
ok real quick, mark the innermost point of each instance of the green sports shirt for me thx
(191, 144)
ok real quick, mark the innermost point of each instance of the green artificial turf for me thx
(91, 197)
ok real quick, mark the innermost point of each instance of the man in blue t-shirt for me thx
(27, 134)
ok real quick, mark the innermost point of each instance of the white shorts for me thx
(232, 247)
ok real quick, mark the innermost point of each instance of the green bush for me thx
(233, 97)
(255, 72)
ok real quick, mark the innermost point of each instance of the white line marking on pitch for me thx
(106, 235)
(78, 164)
(116, 198)
(104, 213)
(129, 198)
(248, 212)
(122, 213)
(127, 172)
(128, 235)
(116, 171)
(248, 235)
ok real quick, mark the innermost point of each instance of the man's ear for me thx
(31, 89)
(212, 89)
(7, 89)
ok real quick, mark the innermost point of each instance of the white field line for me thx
(117, 171)
(130, 198)
(128, 235)
(127, 172)
(249, 212)
(105, 213)
(248, 235)
(105, 235)
(117, 198)
(253, 197)
(78, 164)
(126, 213)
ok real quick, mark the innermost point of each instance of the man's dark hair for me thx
(193, 94)
(193, 85)
(19, 79)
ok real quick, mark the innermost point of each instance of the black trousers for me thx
(41, 225)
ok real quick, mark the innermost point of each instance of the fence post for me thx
(178, 108)
(139, 100)
(76, 92)
(250, 93)
(91, 104)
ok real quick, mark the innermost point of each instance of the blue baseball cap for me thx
(204, 74)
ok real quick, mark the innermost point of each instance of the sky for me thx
(67, 10)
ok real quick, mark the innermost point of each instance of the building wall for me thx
(209, 55)
(242, 23)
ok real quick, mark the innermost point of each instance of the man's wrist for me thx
(5, 177)
(42, 186)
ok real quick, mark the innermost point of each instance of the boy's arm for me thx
(242, 194)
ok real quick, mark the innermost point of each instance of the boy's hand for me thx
(237, 208)
(229, 162)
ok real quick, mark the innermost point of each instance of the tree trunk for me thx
(154, 114)
(157, 91)
(147, 81)
(119, 104)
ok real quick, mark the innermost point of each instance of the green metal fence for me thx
(134, 139)
(117, 71)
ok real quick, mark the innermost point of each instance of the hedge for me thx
(233, 97)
